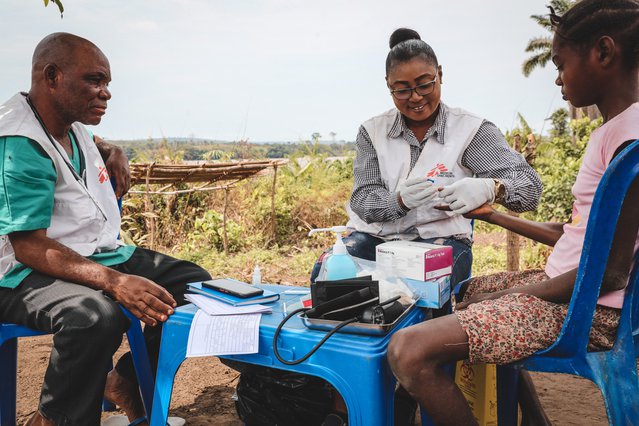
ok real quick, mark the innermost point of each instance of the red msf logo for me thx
(439, 168)
(103, 175)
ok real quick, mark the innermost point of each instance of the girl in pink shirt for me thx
(509, 316)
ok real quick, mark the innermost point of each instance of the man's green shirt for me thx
(27, 179)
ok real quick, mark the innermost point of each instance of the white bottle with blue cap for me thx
(339, 264)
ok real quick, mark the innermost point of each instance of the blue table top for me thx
(295, 328)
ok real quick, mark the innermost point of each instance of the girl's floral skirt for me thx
(517, 325)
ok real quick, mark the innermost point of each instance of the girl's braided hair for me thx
(588, 20)
(406, 44)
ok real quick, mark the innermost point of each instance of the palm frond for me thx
(539, 43)
(542, 20)
(536, 61)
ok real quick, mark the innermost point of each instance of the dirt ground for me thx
(204, 388)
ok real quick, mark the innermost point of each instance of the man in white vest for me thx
(63, 269)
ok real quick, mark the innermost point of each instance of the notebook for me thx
(266, 297)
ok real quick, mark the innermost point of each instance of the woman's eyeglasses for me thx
(421, 90)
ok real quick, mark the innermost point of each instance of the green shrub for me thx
(208, 233)
(558, 161)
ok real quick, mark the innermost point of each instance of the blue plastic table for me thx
(354, 364)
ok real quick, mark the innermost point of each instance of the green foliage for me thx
(533, 255)
(558, 162)
(310, 193)
(208, 232)
(488, 259)
(133, 229)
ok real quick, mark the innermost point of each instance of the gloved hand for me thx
(468, 193)
(416, 191)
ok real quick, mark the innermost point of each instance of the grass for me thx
(291, 265)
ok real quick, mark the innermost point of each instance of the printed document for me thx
(223, 335)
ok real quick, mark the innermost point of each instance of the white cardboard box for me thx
(414, 260)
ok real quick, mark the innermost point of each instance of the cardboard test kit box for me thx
(424, 267)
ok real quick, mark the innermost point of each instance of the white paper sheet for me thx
(215, 307)
(223, 335)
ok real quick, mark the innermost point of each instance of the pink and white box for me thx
(414, 260)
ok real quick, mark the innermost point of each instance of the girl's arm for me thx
(559, 289)
(546, 233)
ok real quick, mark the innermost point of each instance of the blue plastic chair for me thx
(613, 371)
(9, 334)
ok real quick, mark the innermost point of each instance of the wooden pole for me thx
(225, 234)
(273, 221)
(148, 208)
(512, 239)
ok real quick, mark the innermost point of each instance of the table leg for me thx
(172, 354)
(370, 398)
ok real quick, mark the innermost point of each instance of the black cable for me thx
(315, 348)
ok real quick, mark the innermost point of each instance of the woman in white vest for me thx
(423, 154)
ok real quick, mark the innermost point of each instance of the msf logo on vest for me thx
(103, 175)
(440, 170)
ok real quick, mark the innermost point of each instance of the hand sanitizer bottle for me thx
(257, 275)
(339, 265)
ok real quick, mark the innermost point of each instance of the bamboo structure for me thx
(171, 175)
(206, 177)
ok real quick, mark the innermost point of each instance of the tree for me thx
(541, 48)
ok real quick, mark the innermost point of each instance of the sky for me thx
(280, 70)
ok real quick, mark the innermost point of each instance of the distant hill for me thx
(204, 141)
(189, 149)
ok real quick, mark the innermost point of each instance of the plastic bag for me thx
(389, 286)
(267, 396)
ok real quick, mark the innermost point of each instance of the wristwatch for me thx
(500, 191)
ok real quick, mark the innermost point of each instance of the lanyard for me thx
(82, 180)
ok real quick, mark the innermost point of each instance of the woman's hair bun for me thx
(402, 34)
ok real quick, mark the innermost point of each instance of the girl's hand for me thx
(483, 212)
(479, 297)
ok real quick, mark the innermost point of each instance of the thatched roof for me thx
(171, 175)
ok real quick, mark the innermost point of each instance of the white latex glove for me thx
(468, 193)
(416, 191)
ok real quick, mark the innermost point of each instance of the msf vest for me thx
(440, 162)
(85, 214)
